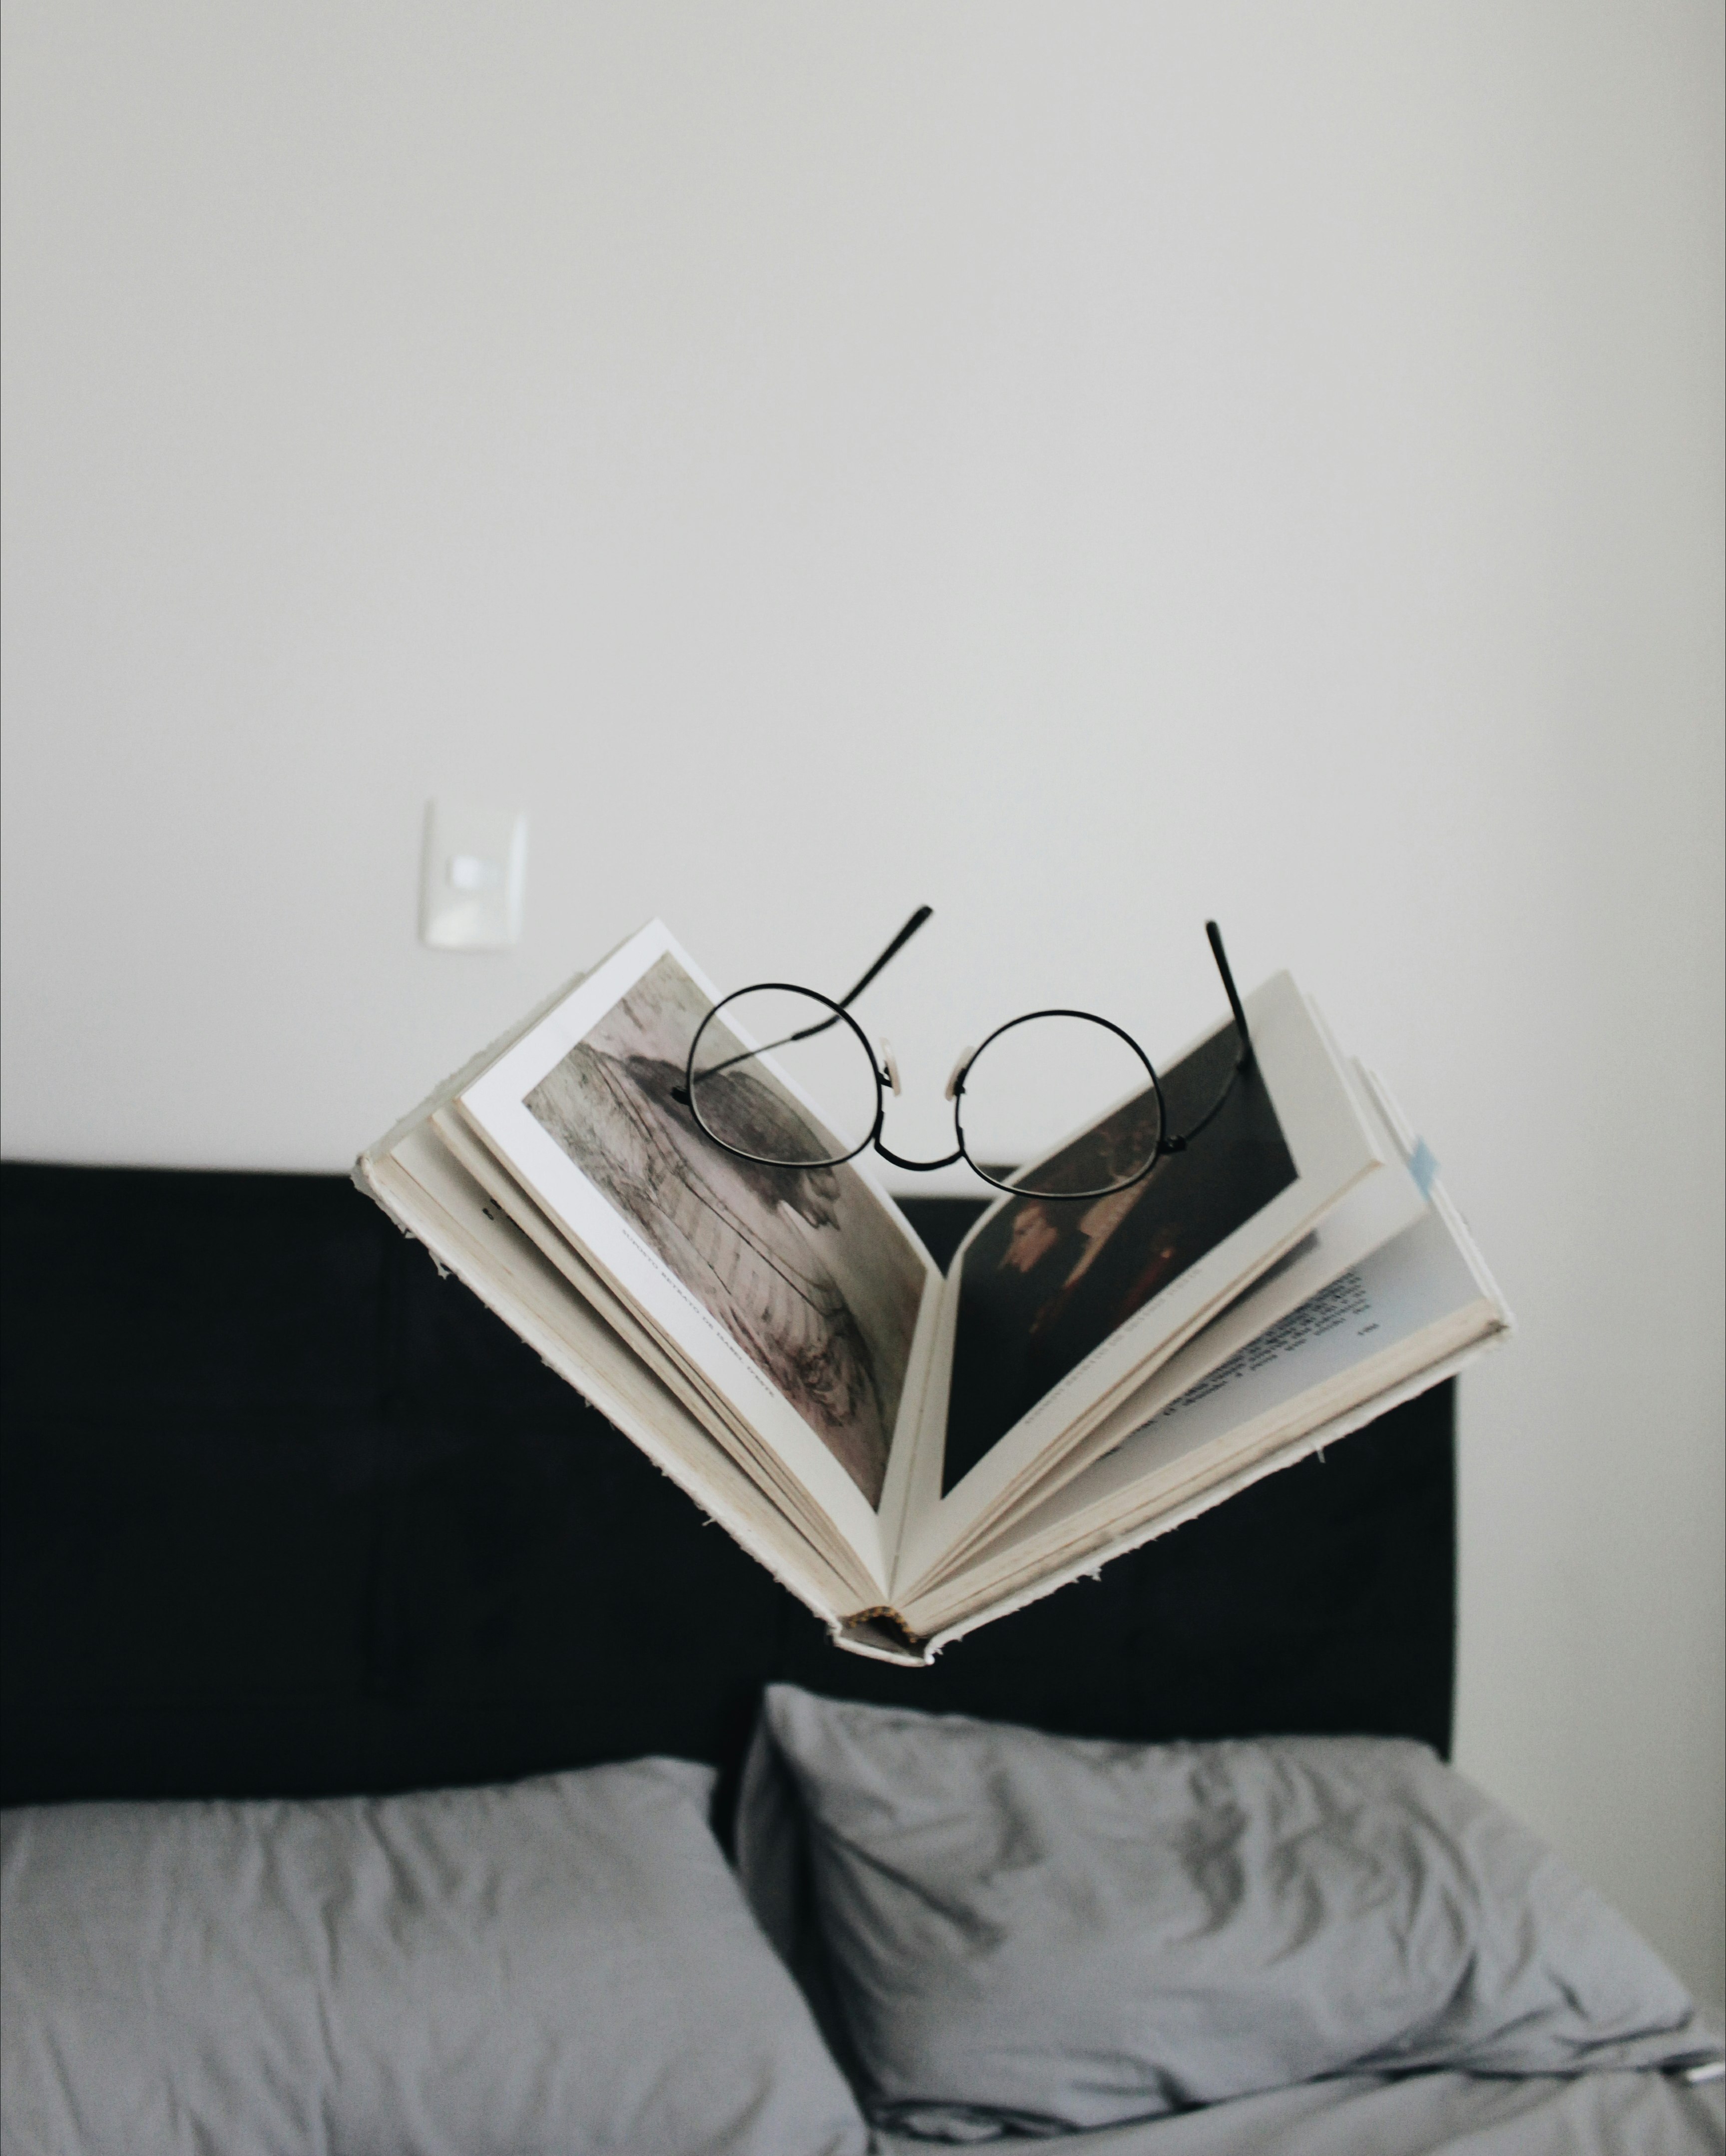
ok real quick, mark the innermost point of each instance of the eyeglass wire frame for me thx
(1167, 1142)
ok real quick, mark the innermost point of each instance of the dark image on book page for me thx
(807, 1269)
(1046, 1280)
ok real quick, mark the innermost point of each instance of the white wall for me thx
(1086, 466)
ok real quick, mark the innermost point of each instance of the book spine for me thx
(883, 1635)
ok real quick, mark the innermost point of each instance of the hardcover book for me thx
(912, 1452)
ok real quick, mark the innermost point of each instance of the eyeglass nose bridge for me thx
(916, 1166)
(890, 1074)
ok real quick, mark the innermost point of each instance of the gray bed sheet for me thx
(1643, 2113)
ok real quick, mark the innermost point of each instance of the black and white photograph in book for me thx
(804, 1266)
(1047, 1280)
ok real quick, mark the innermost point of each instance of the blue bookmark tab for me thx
(1423, 1166)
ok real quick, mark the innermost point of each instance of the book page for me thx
(424, 1189)
(802, 1296)
(1373, 1212)
(511, 1202)
(1056, 1311)
(1413, 1305)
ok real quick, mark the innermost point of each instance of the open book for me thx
(913, 1453)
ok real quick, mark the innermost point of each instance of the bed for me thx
(290, 1520)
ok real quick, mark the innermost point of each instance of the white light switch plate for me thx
(472, 876)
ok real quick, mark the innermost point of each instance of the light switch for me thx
(471, 877)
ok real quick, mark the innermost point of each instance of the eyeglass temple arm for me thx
(923, 913)
(1216, 936)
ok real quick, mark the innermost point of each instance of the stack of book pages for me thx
(913, 1453)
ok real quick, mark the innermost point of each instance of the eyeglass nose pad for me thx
(889, 1064)
(957, 1074)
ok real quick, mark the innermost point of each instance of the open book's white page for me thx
(1414, 1306)
(802, 1297)
(1076, 1304)
(1377, 1209)
(421, 1185)
(516, 1204)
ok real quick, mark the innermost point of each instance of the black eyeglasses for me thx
(1053, 1071)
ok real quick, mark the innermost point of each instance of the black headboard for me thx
(285, 1513)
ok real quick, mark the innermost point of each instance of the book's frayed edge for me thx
(906, 1649)
(1089, 1564)
(880, 1633)
(598, 1395)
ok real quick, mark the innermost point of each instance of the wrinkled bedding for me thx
(552, 1965)
(569, 1962)
(1598, 2114)
(1322, 1944)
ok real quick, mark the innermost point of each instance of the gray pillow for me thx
(559, 1964)
(1030, 1933)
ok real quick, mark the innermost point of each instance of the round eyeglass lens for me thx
(781, 1076)
(1068, 1097)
